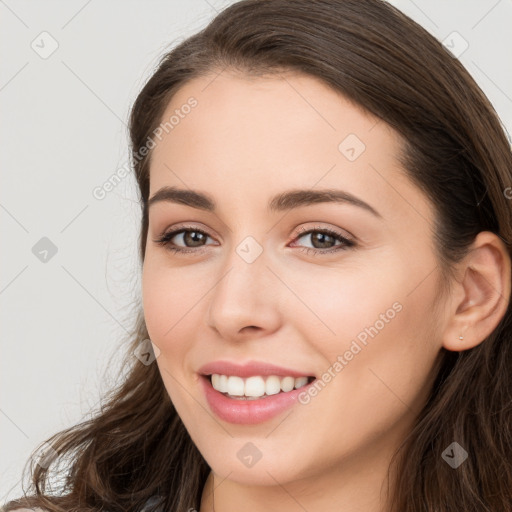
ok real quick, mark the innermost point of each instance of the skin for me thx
(247, 140)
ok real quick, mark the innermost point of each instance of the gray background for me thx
(63, 133)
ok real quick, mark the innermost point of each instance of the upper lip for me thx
(249, 369)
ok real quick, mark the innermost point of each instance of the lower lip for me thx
(246, 412)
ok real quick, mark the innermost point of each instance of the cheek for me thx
(170, 312)
(377, 365)
(375, 330)
(168, 304)
(338, 303)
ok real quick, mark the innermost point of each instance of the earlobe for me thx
(482, 296)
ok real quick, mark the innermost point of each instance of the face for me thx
(340, 286)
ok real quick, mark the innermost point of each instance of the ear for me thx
(481, 294)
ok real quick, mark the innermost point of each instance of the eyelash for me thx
(164, 240)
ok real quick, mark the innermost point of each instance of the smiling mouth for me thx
(255, 387)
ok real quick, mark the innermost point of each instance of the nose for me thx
(244, 302)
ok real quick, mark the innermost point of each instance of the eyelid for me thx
(168, 234)
(164, 239)
(346, 242)
(335, 231)
(186, 227)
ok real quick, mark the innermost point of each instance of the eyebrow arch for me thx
(282, 202)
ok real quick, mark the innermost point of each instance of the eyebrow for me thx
(282, 202)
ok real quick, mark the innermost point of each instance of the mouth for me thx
(244, 395)
(255, 387)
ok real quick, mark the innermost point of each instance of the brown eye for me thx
(325, 240)
(193, 238)
(322, 240)
(183, 240)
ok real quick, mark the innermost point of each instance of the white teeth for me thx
(223, 384)
(301, 381)
(236, 386)
(256, 386)
(287, 384)
(272, 385)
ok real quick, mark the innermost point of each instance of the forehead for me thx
(261, 135)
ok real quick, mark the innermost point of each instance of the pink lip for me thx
(249, 369)
(247, 412)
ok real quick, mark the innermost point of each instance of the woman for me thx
(326, 238)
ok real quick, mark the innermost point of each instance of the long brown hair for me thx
(136, 446)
